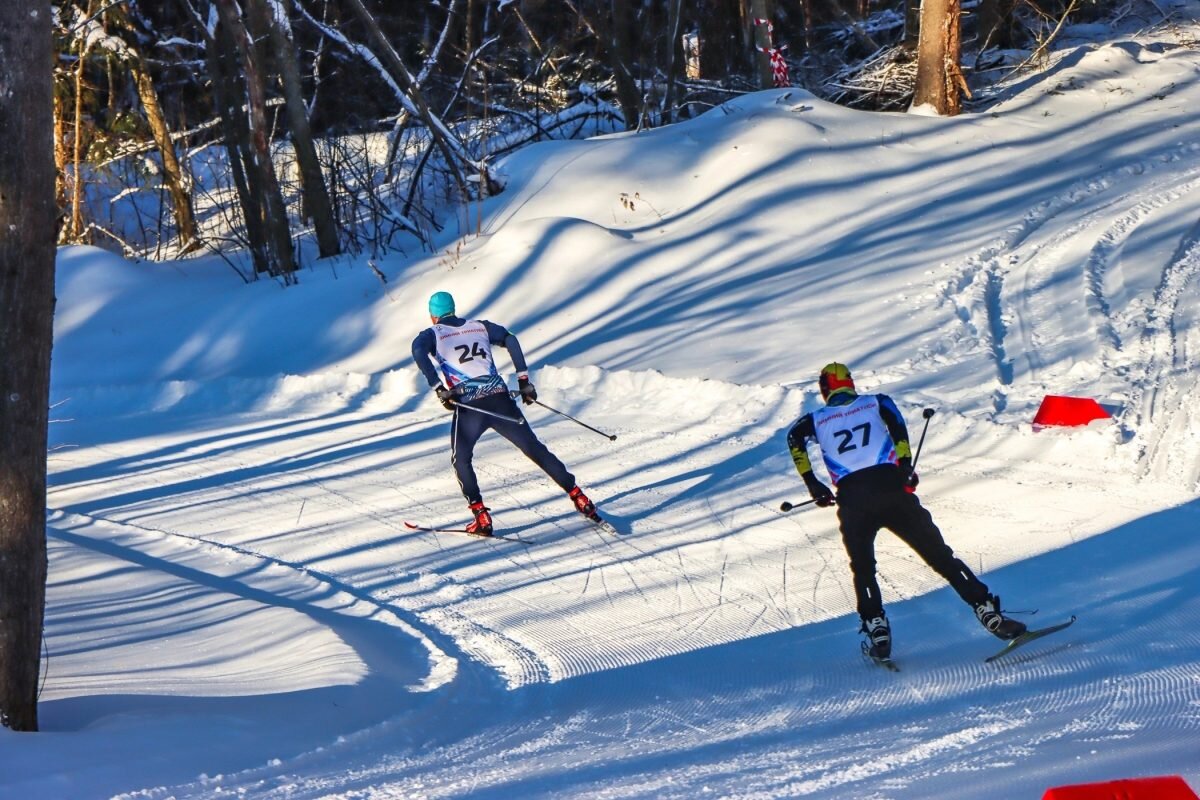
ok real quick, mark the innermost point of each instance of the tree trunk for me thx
(452, 149)
(312, 180)
(61, 152)
(761, 9)
(271, 205)
(181, 198)
(75, 228)
(620, 48)
(123, 50)
(27, 218)
(940, 83)
(221, 54)
(674, 59)
(806, 8)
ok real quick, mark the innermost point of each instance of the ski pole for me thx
(485, 412)
(612, 437)
(927, 413)
(785, 506)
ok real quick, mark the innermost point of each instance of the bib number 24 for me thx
(470, 353)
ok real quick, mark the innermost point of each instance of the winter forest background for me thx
(362, 121)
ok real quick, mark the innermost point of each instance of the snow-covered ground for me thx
(236, 608)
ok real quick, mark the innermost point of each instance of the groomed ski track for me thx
(716, 638)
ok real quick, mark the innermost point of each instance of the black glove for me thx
(907, 474)
(445, 396)
(820, 493)
(528, 393)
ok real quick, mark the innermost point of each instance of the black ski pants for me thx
(469, 425)
(862, 515)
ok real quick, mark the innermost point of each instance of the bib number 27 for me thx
(848, 440)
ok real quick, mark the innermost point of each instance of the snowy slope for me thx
(235, 605)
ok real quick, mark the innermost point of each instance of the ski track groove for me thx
(529, 668)
(607, 593)
(532, 567)
(1099, 260)
(813, 546)
(765, 583)
(1161, 410)
(721, 586)
(540, 666)
(409, 622)
(519, 665)
(571, 659)
(981, 310)
(436, 539)
(587, 578)
(687, 580)
(1139, 208)
(659, 565)
(622, 563)
(704, 614)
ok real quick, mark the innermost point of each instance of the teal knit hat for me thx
(441, 304)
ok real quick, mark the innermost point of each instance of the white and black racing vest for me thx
(853, 437)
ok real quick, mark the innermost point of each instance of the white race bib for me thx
(464, 353)
(853, 437)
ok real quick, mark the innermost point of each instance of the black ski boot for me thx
(879, 634)
(989, 615)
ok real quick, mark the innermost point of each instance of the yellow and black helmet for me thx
(835, 378)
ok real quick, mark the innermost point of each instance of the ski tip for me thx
(609, 524)
(1030, 635)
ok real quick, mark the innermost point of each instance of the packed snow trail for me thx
(713, 645)
(229, 557)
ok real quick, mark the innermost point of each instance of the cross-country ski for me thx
(1027, 637)
(605, 525)
(475, 534)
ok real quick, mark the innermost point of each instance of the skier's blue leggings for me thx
(469, 425)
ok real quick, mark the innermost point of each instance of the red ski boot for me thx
(482, 526)
(582, 504)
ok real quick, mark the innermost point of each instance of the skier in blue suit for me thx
(455, 356)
